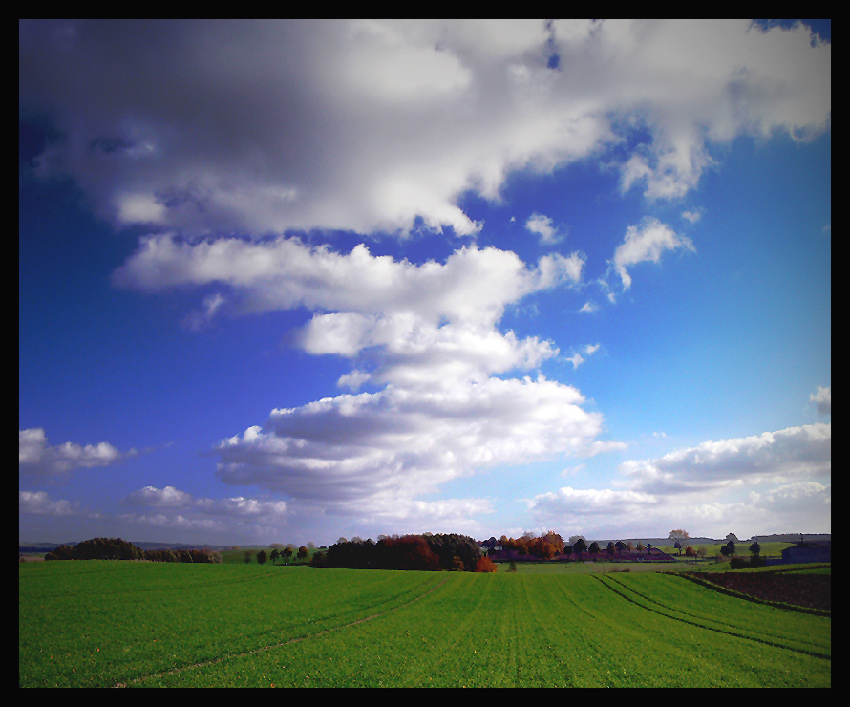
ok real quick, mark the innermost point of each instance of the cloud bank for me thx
(263, 126)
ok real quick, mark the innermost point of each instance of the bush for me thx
(739, 562)
(485, 564)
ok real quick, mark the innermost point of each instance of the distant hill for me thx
(778, 538)
(793, 537)
(47, 547)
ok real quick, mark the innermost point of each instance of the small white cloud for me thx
(823, 400)
(543, 226)
(693, 215)
(168, 497)
(576, 359)
(646, 243)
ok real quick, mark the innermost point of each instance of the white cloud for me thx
(367, 125)
(823, 400)
(431, 322)
(39, 503)
(792, 454)
(38, 458)
(569, 501)
(543, 227)
(394, 446)
(693, 215)
(646, 243)
(181, 510)
(168, 497)
(283, 273)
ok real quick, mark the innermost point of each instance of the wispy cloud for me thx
(646, 243)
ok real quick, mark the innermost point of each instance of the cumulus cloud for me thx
(38, 458)
(432, 322)
(750, 481)
(543, 227)
(284, 273)
(39, 503)
(792, 454)
(263, 126)
(401, 443)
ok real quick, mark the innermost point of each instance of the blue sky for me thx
(296, 281)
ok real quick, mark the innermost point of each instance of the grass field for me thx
(139, 624)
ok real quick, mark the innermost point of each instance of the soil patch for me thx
(813, 591)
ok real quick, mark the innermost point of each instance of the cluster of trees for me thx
(434, 552)
(544, 547)
(118, 549)
(551, 546)
(284, 554)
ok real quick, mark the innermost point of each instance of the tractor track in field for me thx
(621, 590)
(263, 649)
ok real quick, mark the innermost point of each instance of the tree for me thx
(679, 534)
(247, 557)
(261, 557)
(579, 546)
(485, 564)
(303, 552)
(593, 549)
(755, 549)
(286, 553)
(275, 553)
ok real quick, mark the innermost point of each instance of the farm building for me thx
(805, 552)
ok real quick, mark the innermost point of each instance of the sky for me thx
(296, 281)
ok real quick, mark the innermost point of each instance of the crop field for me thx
(140, 624)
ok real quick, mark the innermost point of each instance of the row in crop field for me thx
(220, 625)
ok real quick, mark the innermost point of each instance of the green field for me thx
(140, 624)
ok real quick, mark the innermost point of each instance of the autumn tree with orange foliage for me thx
(485, 564)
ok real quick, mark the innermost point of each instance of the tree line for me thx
(118, 549)
(430, 552)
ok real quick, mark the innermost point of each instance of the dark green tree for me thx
(262, 557)
(580, 546)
